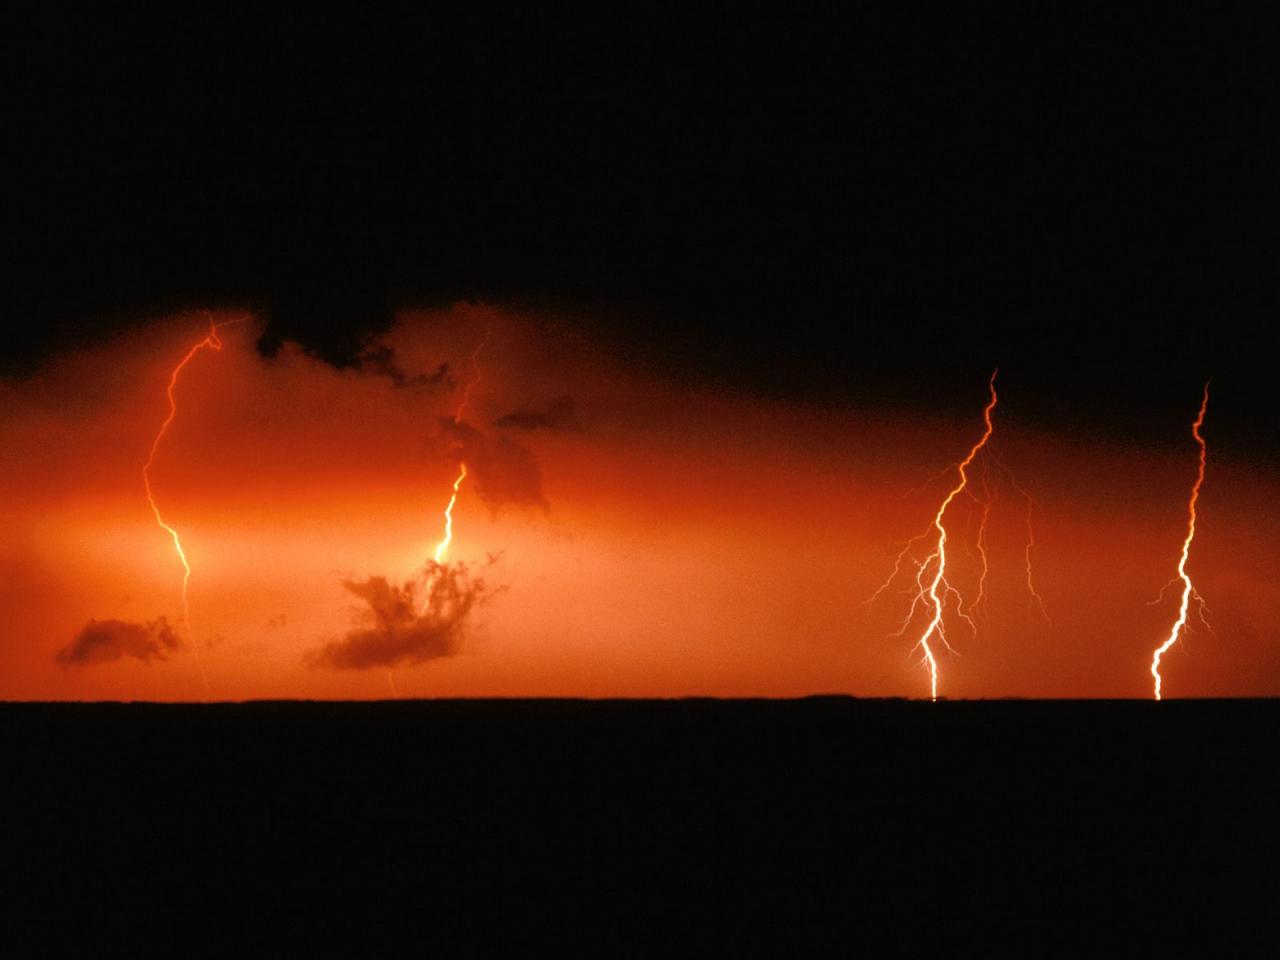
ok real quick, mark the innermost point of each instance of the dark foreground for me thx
(641, 827)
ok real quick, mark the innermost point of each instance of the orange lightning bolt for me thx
(475, 376)
(932, 588)
(938, 559)
(1033, 595)
(1188, 590)
(211, 341)
(442, 548)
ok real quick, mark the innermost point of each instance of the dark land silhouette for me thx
(641, 826)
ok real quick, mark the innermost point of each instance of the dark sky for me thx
(878, 207)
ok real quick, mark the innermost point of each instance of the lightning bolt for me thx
(938, 558)
(1033, 595)
(982, 546)
(211, 341)
(932, 590)
(442, 547)
(475, 378)
(1188, 589)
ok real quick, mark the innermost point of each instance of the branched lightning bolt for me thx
(1188, 589)
(931, 589)
(938, 558)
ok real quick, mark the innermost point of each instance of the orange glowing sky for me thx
(677, 542)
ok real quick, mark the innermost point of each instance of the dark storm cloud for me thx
(560, 415)
(397, 627)
(1061, 212)
(104, 641)
(330, 315)
(500, 470)
(381, 360)
(342, 329)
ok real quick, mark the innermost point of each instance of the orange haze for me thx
(636, 537)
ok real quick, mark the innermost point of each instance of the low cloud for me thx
(408, 624)
(105, 641)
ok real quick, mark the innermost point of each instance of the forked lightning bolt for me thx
(1188, 589)
(938, 558)
(932, 590)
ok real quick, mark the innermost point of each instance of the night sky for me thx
(772, 254)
